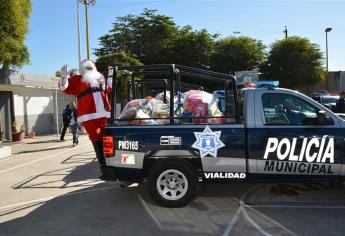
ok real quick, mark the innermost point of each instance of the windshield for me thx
(330, 99)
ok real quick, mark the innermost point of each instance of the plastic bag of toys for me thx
(160, 96)
(134, 103)
(202, 104)
(143, 119)
(196, 103)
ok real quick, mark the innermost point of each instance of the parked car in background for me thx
(316, 94)
(329, 101)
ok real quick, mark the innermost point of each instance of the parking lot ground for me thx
(49, 188)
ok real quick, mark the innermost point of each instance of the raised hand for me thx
(64, 71)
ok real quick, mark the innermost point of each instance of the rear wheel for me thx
(172, 183)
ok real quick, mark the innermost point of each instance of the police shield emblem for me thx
(208, 142)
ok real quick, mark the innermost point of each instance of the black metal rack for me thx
(172, 74)
(136, 86)
(132, 87)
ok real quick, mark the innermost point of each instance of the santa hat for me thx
(88, 65)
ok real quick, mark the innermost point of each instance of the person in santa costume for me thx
(92, 107)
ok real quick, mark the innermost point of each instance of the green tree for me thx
(144, 35)
(295, 62)
(14, 17)
(237, 53)
(191, 48)
(71, 72)
(58, 73)
(118, 59)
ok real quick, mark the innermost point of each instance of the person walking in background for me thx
(340, 106)
(74, 124)
(66, 117)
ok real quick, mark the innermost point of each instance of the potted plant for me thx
(14, 127)
(32, 134)
(17, 135)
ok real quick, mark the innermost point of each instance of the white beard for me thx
(94, 78)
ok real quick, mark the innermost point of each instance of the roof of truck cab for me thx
(269, 89)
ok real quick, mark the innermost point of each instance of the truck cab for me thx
(266, 134)
(290, 136)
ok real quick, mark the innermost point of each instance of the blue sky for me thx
(52, 39)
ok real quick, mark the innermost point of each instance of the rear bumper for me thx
(125, 174)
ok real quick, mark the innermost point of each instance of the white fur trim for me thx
(63, 83)
(88, 63)
(99, 103)
(110, 82)
(100, 111)
(93, 116)
(85, 64)
(93, 78)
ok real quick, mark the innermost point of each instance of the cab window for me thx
(285, 109)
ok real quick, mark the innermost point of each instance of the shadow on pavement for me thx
(84, 174)
(45, 149)
(107, 209)
(45, 141)
(80, 158)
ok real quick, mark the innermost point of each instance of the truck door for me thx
(293, 138)
(230, 162)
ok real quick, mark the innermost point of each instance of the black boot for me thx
(98, 147)
(107, 172)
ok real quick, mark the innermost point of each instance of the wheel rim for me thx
(172, 184)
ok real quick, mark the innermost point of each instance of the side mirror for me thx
(323, 118)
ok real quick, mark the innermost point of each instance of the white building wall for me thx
(39, 101)
(34, 102)
(35, 108)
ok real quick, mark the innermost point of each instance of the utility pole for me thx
(86, 3)
(327, 30)
(57, 114)
(78, 25)
(285, 32)
(87, 31)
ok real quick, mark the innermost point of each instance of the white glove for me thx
(64, 71)
(101, 80)
(110, 71)
(110, 82)
(63, 83)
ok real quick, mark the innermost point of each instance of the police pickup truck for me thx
(268, 134)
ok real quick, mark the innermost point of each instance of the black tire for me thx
(184, 168)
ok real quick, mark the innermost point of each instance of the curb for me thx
(5, 151)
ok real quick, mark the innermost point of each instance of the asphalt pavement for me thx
(51, 188)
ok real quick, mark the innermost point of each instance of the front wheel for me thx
(172, 183)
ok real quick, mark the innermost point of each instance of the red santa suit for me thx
(92, 107)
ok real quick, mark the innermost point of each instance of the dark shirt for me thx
(67, 115)
(340, 106)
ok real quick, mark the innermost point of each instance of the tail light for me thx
(108, 146)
